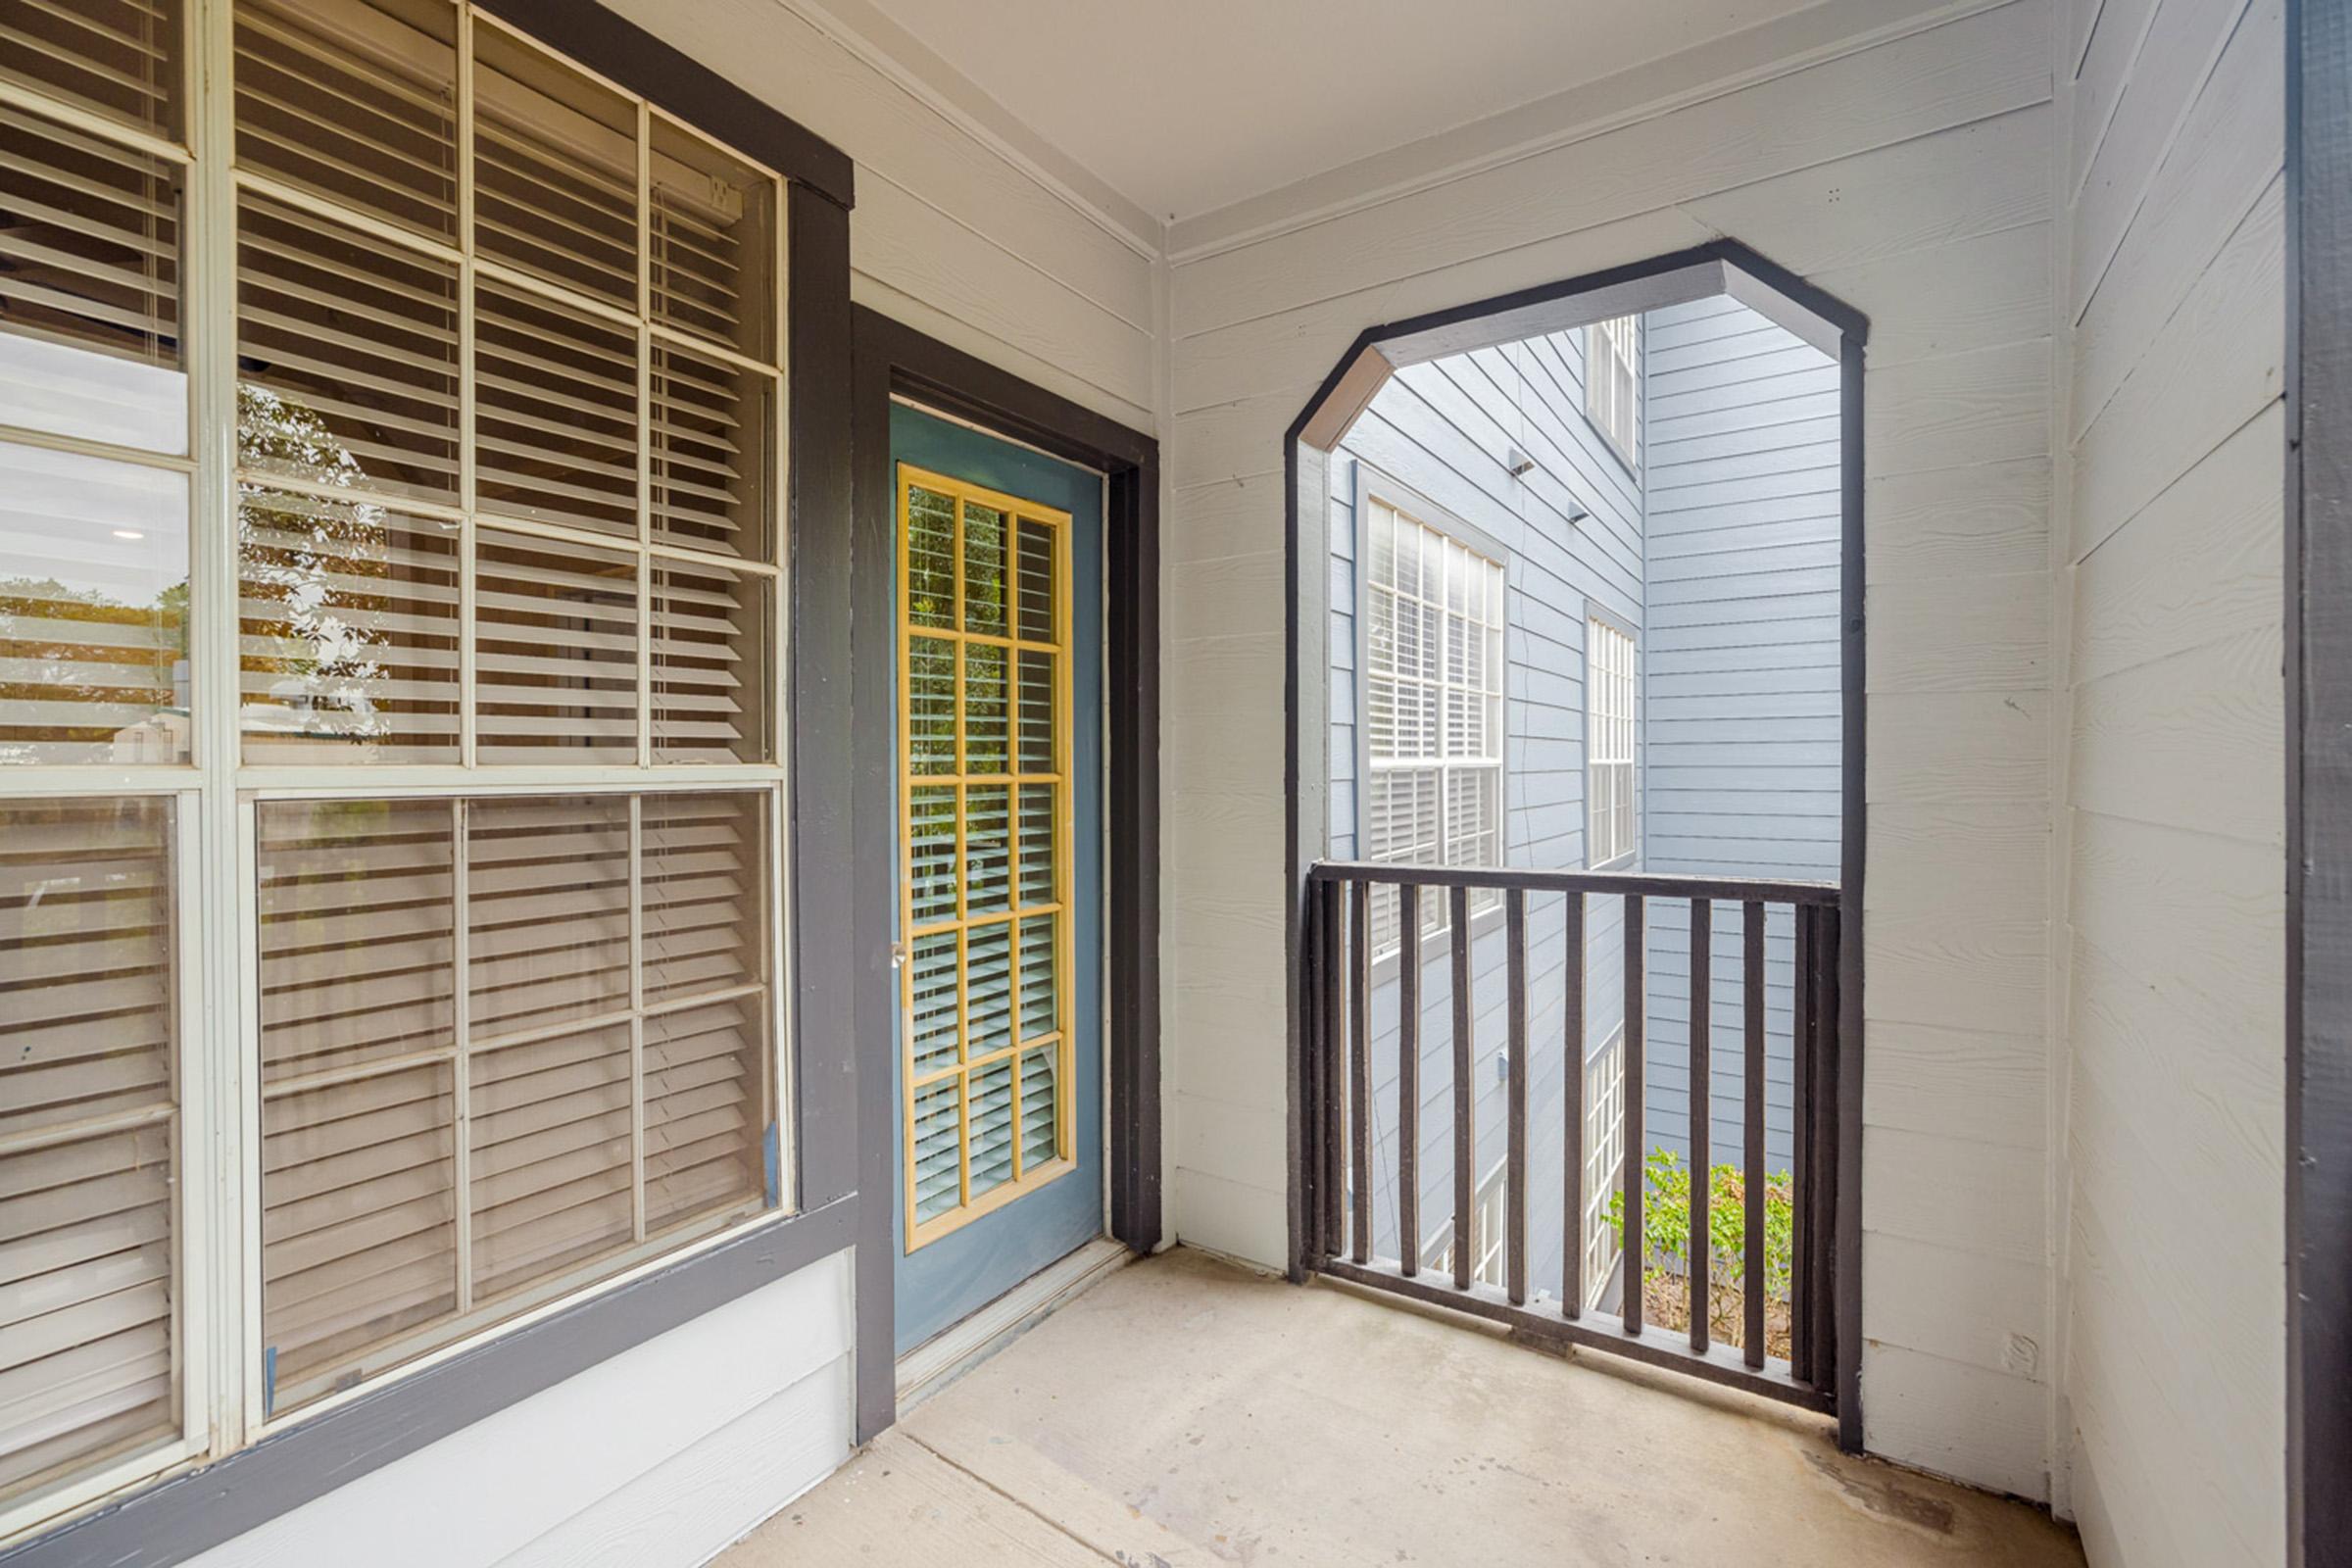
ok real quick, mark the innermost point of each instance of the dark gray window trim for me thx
(894, 359)
(2318, 780)
(1354, 380)
(171, 1520)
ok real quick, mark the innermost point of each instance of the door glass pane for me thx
(980, 622)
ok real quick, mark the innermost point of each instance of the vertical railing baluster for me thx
(1751, 1140)
(1408, 1079)
(1701, 1112)
(1823, 1336)
(1359, 1071)
(1514, 1180)
(1572, 1040)
(1631, 1240)
(1800, 1063)
(1465, 1139)
(1332, 1080)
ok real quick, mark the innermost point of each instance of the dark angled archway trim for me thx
(1832, 324)
(894, 359)
(2318, 781)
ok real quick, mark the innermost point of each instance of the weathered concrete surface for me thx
(1185, 1413)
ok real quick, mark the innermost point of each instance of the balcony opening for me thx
(1577, 643)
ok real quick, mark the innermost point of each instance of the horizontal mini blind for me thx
(509, 1044)
(88, 1049)
(119, 59)
(354, 100)
(89, 242)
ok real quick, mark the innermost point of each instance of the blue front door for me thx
(998, 1059)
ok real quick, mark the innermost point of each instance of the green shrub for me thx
(1666, 1219)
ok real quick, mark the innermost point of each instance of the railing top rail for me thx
(1526, 879)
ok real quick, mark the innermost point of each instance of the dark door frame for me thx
(1838, 329)
(892, 360)
(2318, 561)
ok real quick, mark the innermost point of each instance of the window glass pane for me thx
(555, 414)
(418, 1186)
(705, 866)
(706, 1111)
(992, 1114)
(987, 580)
(116, 58)
(547, 915)
(347, 358)
(349, 616)
(89, 1038)
(93, 610)
(710, 669)
(355, 100)
(1040, 1130)
(711, 243)
(712, 423)
(555, 661)
(930, 558)
(555, 168)
(357, 934)
(89, 288)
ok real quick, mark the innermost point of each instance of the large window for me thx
(391, 817)
(1433, 708)
(1613, 383)
(1612, 825)
(1604, 1163)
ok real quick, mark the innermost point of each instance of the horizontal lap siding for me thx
(1444, 429)
(2175, 836)
(1742, 683)
(1865, 173)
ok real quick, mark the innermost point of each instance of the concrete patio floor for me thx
(1187, 1412)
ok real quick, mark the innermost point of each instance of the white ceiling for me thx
(1184, 106)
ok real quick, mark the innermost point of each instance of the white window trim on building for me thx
(1604, 1162)
(217, 1360)
(1613, 384)
(1612, 745)
(1464, 743)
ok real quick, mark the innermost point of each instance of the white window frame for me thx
(1459, 547)
(217, 1344)
(1613, 384)
(1488, 1231)
(1612, 743)
(1604, 1163)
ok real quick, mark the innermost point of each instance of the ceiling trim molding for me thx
(1734, 61)
(890, 50)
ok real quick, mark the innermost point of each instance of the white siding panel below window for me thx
(657, 1457)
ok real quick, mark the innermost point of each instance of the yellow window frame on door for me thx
(924, 1079)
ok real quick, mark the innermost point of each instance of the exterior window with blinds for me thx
(1431, 708)
(1613, 383)
(519, 352)
(392, 443)
(1612, 830)
(509, 1046)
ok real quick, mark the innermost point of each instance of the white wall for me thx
(656, 1458)
(2174, 835)
(1911, 177)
